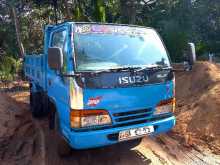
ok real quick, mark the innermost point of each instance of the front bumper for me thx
(98, 138)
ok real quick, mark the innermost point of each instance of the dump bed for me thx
(34, 69)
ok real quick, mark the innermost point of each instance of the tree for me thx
(8, 44)
(17, 30)
(206, 18)
(99, 11)
(180, 21)
(11, 12)
(68, 14)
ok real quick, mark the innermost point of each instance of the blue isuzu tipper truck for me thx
(102, 84)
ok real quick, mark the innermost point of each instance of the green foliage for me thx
(78, 14)
(9, 67)
(201, 48)
(112, 11)
(175, 40)
(178, 22)
(99, 11)
(206, 18)
(7, 32)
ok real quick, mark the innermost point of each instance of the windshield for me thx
(99, 49)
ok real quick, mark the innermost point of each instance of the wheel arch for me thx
(52, 111)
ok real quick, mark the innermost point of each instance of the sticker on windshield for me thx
(83, 29)
(110, 29)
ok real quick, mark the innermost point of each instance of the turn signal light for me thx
(86, 118)
(166, 106)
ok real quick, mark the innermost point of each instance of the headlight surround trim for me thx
(87, 118)
(165, 106)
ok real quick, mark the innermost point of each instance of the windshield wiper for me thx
(154, 67)
(118, 69)
(128, 68)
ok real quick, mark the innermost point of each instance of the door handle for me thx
(49, 82)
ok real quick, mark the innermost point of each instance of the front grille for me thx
(130, 113)
(122, 117)
(151, 119)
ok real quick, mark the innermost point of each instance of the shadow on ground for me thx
(115, 154)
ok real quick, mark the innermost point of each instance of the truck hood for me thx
(127, 98)
(126, 91)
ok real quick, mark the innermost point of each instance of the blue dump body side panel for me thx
(34, 69)
(35, 65)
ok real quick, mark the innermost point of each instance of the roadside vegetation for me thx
(9, 68)
(179, 22)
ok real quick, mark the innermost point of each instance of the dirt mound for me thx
(198, 105)
(18, 136)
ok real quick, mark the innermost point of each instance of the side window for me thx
(59, 39)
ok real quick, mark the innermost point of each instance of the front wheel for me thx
(63, 148)
(130, 143)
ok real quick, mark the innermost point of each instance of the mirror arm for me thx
(69, 75)
(178, 70)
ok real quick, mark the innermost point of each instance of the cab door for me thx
(57, 85)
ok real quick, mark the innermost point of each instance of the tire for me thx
(62, 147)
(36, 105)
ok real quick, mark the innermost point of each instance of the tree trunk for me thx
(18, 34)
(123, 11)
(132, 17)
(68, 14)
(128, 11)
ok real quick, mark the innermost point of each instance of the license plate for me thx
(135, 133)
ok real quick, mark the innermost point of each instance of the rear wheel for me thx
(36, 104)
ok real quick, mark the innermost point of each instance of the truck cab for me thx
(102, 84)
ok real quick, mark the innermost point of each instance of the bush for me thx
(9, 67)
(201, 48)
(175, 40)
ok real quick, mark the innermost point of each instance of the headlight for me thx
(165, 106)
(86, 118)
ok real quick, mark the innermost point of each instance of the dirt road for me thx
(29, 141)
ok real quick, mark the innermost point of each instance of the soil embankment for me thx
(198, 106)
(26, 141)
(19, 137)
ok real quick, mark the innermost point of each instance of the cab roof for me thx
(98, 23)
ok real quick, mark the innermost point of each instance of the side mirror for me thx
(55, 58)
(191, 53)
